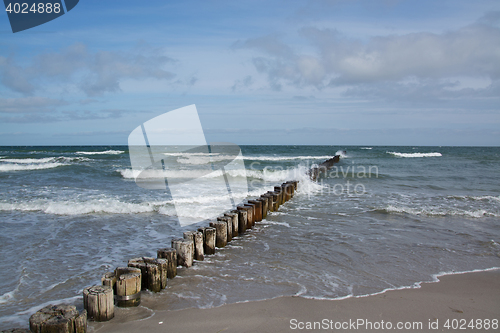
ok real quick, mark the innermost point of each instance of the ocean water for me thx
(382, 218)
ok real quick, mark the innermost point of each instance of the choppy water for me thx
(385, 217)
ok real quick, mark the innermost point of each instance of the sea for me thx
(382, 218)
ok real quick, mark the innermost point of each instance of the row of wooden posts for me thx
(123, 286)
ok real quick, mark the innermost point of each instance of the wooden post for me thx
(185, 251)
(292, 185)
(99, 302)
(251, 215)
(269, 199)
(109, 279)
(170, 255)
(58, 319)
(264, 206)
(160, 279)
(258, 208)
(191, 235)
(140, 264)
(220, 233)
(234, 219)
(279, 191)
(128, 286)
(209, 239)
(242, 218)
(199, 252)
(229, 228)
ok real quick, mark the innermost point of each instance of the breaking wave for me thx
(415, 154)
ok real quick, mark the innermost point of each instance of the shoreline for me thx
(457, 298)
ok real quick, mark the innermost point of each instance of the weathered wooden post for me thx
(274, 199)
(99, 302)
(151, 274)
(197, 238)
(258, 208)
(220, 233)
(234, 219)
(209, 240)
(269, 199)
(185, 251)
(279, 191)
(170, 255)
(229, 227)
(59, 319)
(199, 251)
(109, 279)
(243, 212)
(128, 286)
(264, 206)
(159, 282)
(251, 215)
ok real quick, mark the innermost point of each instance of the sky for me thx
(317, 72)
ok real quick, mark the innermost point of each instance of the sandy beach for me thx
(457, 302)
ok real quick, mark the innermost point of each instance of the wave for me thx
(107, 152)
(415, 154)
(366, 148)
(286, 158)
(17, 167)
(477, 198)
(430, 211)
(27, 164)
(71, 207)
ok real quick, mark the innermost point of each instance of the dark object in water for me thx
(323, 167)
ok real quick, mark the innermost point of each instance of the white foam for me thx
(73, 207)
(429, 211)
(366, 148)
(107, 152)
(18, 167)
(27, 164)
(285, 158)
(412, 155)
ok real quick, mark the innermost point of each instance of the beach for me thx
(453, 302)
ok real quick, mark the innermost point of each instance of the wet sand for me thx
(456, 299)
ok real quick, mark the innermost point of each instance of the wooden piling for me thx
(279, 191)
(209, 240)
(199, 252)
(234, 219)
(269, 199)
(109, 279)
(128, 286)
(58, 319)
(151, 273)
(198, 247)
(170, 255)
(161, 279)
(275, 199)
(185, 251)
(99, 302)
(243, 212)
(229, 226)
(258, 208)
(264, 206)
(220, 233)
(251, 215)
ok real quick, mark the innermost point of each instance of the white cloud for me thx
(95, 73)
(382, 65)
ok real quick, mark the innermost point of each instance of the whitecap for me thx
(411, 155)
(107, 152)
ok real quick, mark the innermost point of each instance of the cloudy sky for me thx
(333, 72)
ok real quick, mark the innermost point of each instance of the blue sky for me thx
(333, 72)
